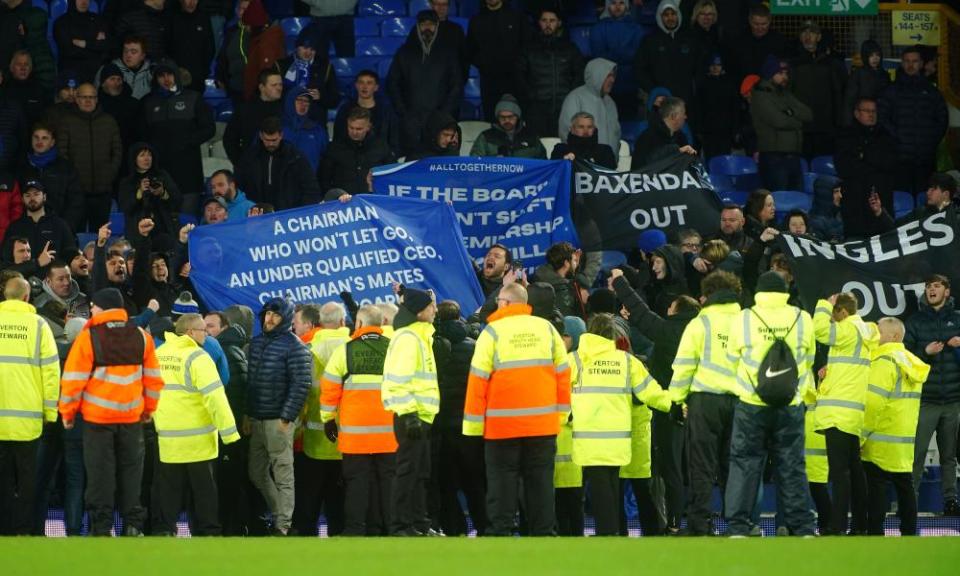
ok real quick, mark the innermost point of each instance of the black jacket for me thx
(865, 159)
(280, 370)
(384, 122)
(50, 228)
(494, 39)
(176, 125)
(588, 149)
(283, 178)
(547, 70)
(750, 52)
(915, 113)
(566, 290)
(86, 26)
(144, 286)
(125, 109)
(668, 60)
(61, 182)
(161, 208)
(864, 82)
(818, 81)
(656, 143)
(151, 25)
(347, 163)
(234, 340)
(13, 132)
(436, 123)
(31, 96)
(192, 45)
(450, 38)
(452, 373)
(928, 325)
(241, 131)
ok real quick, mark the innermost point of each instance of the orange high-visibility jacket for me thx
(365, 427)
(519, 378)
(104, 390)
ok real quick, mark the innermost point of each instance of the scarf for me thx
(43, 160)
(301, 72)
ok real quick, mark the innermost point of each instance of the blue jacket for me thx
(280, 369)
(308, 136)
(237, 210)
(616, 39)
(928, 325)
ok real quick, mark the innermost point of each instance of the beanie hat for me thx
(603, 300)
(109, 70)
(574, 327)
(508, 103)
(650, 240)
(307, 38)
(716, 60)
(107, 299)
(185, 304)
(255, 15)
(416, 300)
(771, 282)
(771, 66)
(749, 81)
(67, 79)
(427, 15)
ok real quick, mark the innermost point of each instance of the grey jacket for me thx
(778, 118)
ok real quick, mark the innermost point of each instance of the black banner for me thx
(611, 209)
(886, 272)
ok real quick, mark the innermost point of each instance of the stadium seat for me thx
(41, 4)
(611, 258)
(463, 22)
(810, 180)
(224, 115)
(369, 26)
(474, 73)
(57, 9)
(902, 203)
(211, 165)
(738, 197)
(217, 150)
(211, 92)
(470, 110)
(580, 36)
(415, 6)
(787, 200)
(549, 144)
(188, 219)
(586, 13)
(804, 165)
(397, 27)
(292, 26)
(722, 182)
(624, 162)
(733, 165)
(350, 67)
(379, 46)
(471, 129)
(624, 148)
(383, 69)
(84, 238)
(823, 165)
(472, 89)
(382, 8)
(118, 224)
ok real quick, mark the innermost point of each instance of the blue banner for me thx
(313, 254)
(520, 203)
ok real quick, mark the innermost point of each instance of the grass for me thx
(456, 556)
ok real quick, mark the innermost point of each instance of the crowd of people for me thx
(688, 368)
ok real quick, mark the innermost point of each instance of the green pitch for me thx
(456, 556)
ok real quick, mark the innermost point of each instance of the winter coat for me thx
(125, 109)
(280, 366)
(866, 159)
(495, 142)
(144, 286)
(191, 45)
(283, 178)
(13, 132)
(590, 98)
(928, 325)
(547, 70)
(61, 183)
(50, 228)
(450, 38)
(35, 29)
(864, 82)
(420, 83)
(176, 125)
(669, 59)
(586, 148)
(233, 340)
(452, 373)
(616, 39)
(383, 122)
(320, 77)
(914, 112)
(91, 142)
(347, 163)
(495, 38)
(436, 123)
(140, 80)
(76, 303)
(151, 25)
(137, 204)
(566, 290)
(656, 143)
(718, 101)
(11, 204)
(31, 96)
(88, 27)
(750, 53)
(818, 81)
(778, 117)
(308, 136)
(241, 131)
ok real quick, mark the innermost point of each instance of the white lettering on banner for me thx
(632, 182)
(876, 294)
(912, 238)
(456, 194)
(661, 217)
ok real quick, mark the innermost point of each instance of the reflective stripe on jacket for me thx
(109, 394)
(193, 405)
(842, 393)
(316, 445)
(701, 363)
(893, 407)
(410, 373)
(519, 379)
(29, 372)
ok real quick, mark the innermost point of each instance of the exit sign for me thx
(825, 7)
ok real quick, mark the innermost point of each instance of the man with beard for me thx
(58, 286)
(509, 135)
(422, 80)
(110, 270)
(151, 273)
(495, 265)
(79, 266)
(45, 232)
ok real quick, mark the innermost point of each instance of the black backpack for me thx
(778, 377)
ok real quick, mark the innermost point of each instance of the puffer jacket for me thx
(86, 26)
(495, 142)
(35, 28)
(139, 80)
(280, 369)
(778, 117)
(913, 110)
(928, 325)
(452, 372)
(91, 142)
(547, 70)
(567, 290)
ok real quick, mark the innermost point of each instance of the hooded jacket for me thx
(928, 325)
(320, 76)
(85, 26)
(140, 80)
(778, 117)
(915, 113)
(818, 81)
(586, 148)
(91, 142)
(176, 124)
(137, 204)
(864, 81)
(590, 98)
(566, 290)
(283, 178)
(280, 367)
(616, 39)
(308, 136)
(436, 123)
(669, 58)
(76, 302)
(234, 341)
(347, 163)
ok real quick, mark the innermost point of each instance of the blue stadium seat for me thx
(211, 92)
(293, 26)
(463, 22)
(473, 73)
(382, 8)
(57, 9)
(84, 238)
(368, 26)
(787, 200)
(722, 182)
(379, 46)
(383, 69)
(224, 115)
(468, 8)
(349, 67)
(738, 197)
(732, 165)
(399, 27)
(804, 165)
(415, 6)
(902, 203)
(810, 180)
(611, 258)
(278, 9)
(118, 224)
(580, 35)
(472, 89)
(629, 130)
(188, 219)
(41, 4)
(470, 110)
(823, 165)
